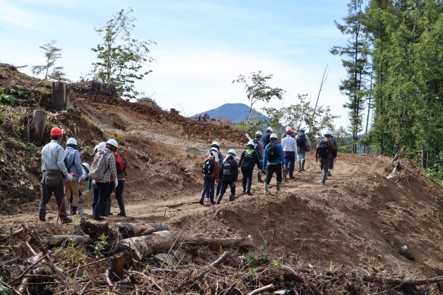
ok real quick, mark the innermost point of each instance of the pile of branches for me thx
(148, 259)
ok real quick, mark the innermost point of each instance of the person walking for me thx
(248, 159)
(289, 146)
(229, 175)
(215, 146)
(273, 160)
(120, 165)
(259, 147)
(95, 189)
(106, 158)
(54, 170)
(303, 146)
(334, 155)
(211, 172)
(73, 164)
(266, 138)
(324, 152)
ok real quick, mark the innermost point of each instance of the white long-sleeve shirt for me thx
(289, 144)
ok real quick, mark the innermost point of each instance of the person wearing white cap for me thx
(228, 175)
(324, 151)
(266, 138)
(215, 147)
(73, 164)
(259, 147)
(273, 160)
(248, 159)
(289, 146)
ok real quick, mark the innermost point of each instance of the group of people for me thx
(268, 154)
(64, 173)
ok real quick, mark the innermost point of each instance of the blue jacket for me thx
(73, 163)
(281, 156)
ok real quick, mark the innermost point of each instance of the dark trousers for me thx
(289, 162)
(247, 179)
(324, 165)
(119, 195)
(46, 193)
(103, 199)
(270, 171)
(224, 186)
(208, 188)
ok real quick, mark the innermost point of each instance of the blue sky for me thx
(202, 45)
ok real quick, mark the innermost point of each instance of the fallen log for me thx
(154, 243)
(59, 240)
(216, 243)
(140, 229)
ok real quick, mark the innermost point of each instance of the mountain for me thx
(231, 111)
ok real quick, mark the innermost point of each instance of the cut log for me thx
(59, 240)
(246, 242)
(140, 229)
(142, 246)
(94, 229)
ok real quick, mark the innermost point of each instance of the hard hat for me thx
(99, 147)
(274, 135)
(250, 143)
(270, 129)
(55, 131)
(72, 140)
(86, 166)
(258, 133)
(215, 143)
(232, 152)
(112, 142)
(288, 129)
(302, 129)
(214, 153)
(327, 132)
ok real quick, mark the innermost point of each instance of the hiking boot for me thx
(266, 188)
(329, 173)
(249, 193)
(99, 218)
(42, 219)
(303, 165)
(122, 214)
(278, 186)
(300, 169)
(201, 201)
(231, 198)
(65, 220)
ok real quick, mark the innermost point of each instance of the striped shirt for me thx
(111, 170)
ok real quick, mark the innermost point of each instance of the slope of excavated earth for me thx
(360, 219)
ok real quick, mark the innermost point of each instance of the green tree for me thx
(52, 54)
(257, 89)
(357, 65)
(120, 56)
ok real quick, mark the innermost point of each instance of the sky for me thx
(201, 46)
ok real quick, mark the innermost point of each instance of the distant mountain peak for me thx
(232, 112)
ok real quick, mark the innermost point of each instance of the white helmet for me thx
(274, 135)
(71, 140)
(327, 132)
(270, 129)
(214, 152)
(258, 133)
(232, 152)
(99, 147)
(112, 142)
(216, 144)
(250, 143)
(86, 166)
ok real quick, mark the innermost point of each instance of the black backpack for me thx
(323, 151)
(301, 140)
(226, 168)
(208, 167)
(272, 152)
(248, 161)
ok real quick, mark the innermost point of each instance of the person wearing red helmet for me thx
(54, 170)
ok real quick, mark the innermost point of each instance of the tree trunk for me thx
(37, 126)
(58, 240)
(59, 96)
(157, 242)
(140, 229)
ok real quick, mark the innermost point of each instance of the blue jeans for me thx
(208, 188)
(324, 165)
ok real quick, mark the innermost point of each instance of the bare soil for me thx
(360, 219)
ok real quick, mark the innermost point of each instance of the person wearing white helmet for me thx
(259, 147)
(303, 146)
(215, 146)
(228, 175)
(210, 171)
(104, 161)
(324, 152)
(248, 159)
(273, 159)
(266, 138)
(73, 164)
(120, 165)
(334, 154)
(289, 146)
(83, 178)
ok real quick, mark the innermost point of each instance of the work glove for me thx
(115, 182)
(69, 177)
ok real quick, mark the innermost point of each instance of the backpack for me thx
(301, 140)
(248, 161)
(208, 167)
(226, 168)
(323, 151)
(120, 164)
(272, 152)
(98, 167)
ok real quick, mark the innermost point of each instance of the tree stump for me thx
(37, 126)
(59, 96)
